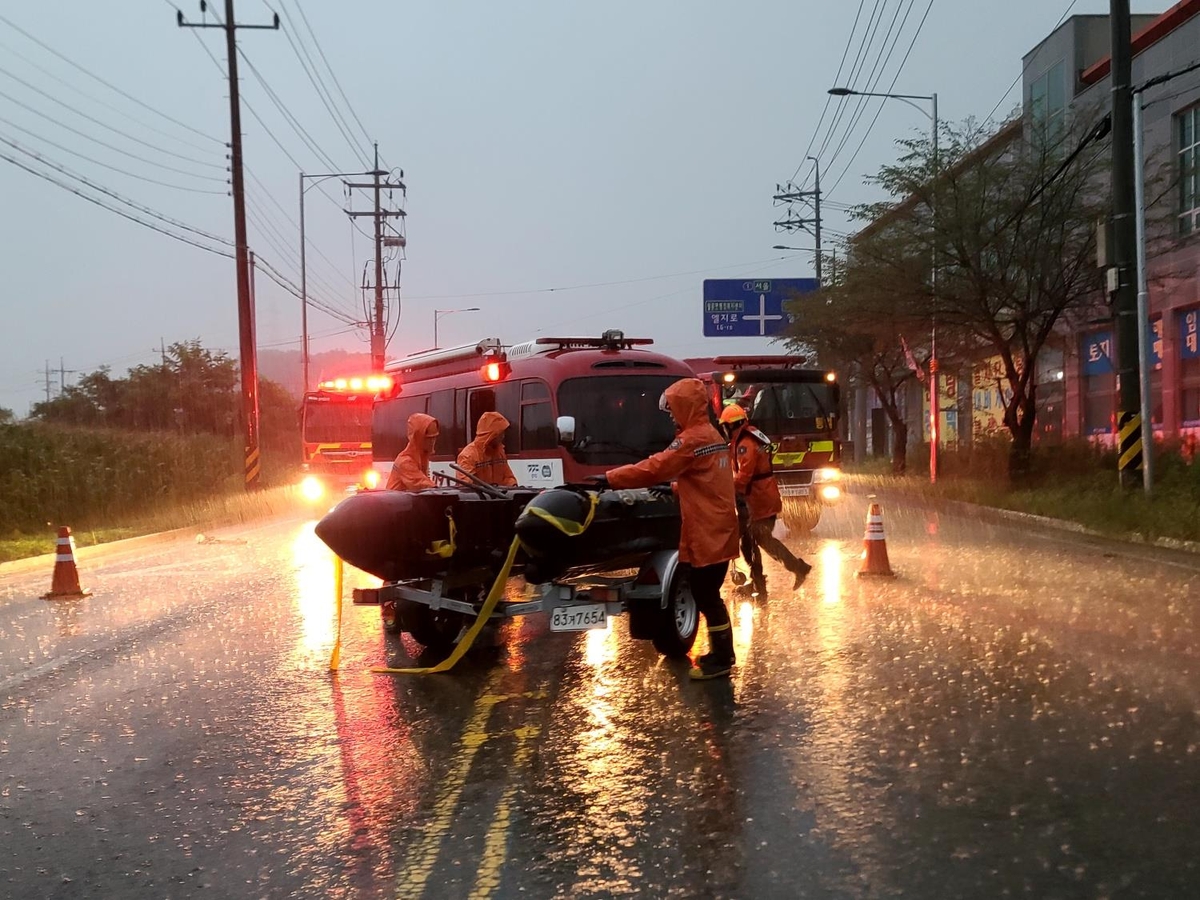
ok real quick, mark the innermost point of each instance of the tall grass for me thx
(97, 479)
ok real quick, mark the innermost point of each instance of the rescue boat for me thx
(398, 535)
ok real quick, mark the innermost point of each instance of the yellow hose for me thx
(338, 570)
(489, 605)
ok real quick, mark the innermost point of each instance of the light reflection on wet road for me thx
(1014, 715)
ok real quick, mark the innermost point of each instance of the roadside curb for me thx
(1023, 518)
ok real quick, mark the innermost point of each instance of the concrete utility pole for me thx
(378, 337)
(249, 360)
(63, 372)
(790, 194)
(1121, 275)
(47, 381)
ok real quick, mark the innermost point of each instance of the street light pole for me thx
(438, 313)
(934, 399)
(304, 349)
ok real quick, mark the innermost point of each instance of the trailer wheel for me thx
(677, 624)
(437, 630)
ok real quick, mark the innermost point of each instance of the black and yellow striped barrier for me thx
(252, 467)
(1129, 431)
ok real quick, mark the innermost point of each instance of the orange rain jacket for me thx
(410, 471)
(750, 453)
(484, 457)
(698, 463)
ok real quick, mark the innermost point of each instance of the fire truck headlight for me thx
(311, 489)
(371, 479)
(826, 475)
(831, 493)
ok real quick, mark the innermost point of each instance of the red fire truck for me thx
(577, 406)
(797, 409)
(335, 427)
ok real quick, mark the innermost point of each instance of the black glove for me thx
(600, 482)
(661, 491)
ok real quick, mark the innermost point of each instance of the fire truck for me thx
(797, 408)
(576, 406)
(335, 428)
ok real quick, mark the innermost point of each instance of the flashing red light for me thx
(374, 384)
(496, 370)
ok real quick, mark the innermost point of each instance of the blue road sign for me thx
(739, 307)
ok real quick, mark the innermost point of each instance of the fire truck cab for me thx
(576, 406)
(335, 430)
(797, 408)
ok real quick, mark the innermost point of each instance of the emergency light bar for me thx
(774, 362)
(373, 384)
(612, 339)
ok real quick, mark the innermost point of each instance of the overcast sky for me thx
(544, 145)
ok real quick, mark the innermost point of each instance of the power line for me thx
(858, 149)
(332, 74)
(868, 38)
(146, 210)
(104, 103)
(873, 79)
(314, 78)
(102, 124)
(301, 132)
(108, 85)
(65, 149)
(121, 213)
(828, 98)
(113, 147)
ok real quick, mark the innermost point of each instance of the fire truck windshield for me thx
(617, 419)
(337, 422)
(786, 408)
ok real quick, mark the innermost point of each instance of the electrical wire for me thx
(332, 74)
(121, 213)
(108, 85)
(868, 37)
(1025, 67)
(103, 124)
(829, 97)
(65, 149)
(858, 149)
(301, 132)
(146, 210)
(310, 69)
(113, 147)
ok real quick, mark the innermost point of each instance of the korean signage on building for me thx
(948, 419)
(1097, 352)
(1189, 328)
(989, 393)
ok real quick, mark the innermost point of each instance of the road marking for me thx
(410, 884)
(495, 846)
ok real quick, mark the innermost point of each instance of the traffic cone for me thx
(875, 555)
(65, 583)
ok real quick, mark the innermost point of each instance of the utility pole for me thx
(63, 372)
(380, 215)
(790, 194)
(1120, 276)
(249, 361)
(47, 381)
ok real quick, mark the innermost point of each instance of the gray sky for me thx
(544, 145)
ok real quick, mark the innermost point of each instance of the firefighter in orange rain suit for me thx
(697, 463)
(750, 455)
(484, 457)
(410, 470)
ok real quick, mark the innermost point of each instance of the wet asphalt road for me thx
(1014, 715)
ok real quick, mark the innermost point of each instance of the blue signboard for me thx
(1097, 353)
(737, 307)
(1189, 327)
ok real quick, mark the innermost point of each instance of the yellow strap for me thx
(712, 628)
(489, 605)
(566, 526)
(336, 656)
(445, 549)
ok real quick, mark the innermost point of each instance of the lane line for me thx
(495, 847)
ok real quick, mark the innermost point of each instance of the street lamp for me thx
(934, 401)
(303, 268)
(438, 313)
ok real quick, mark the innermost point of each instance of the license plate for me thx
(794, 490)
(581, 617)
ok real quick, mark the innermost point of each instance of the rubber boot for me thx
(800, 570)
(760, 587)
(720, 660)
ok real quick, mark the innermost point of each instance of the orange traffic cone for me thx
(875, 555)
(65, 583)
